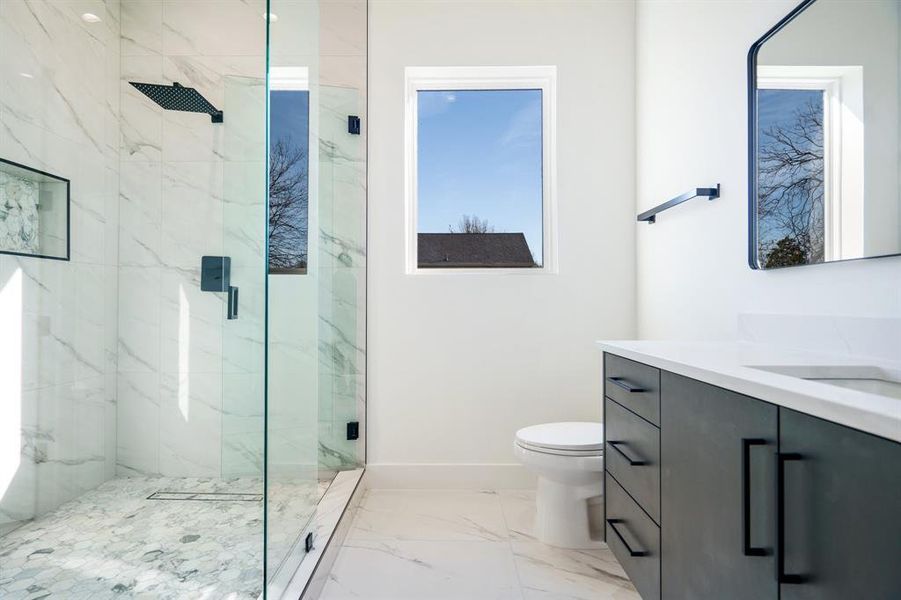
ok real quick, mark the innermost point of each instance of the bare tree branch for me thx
(472, 224)
(790, 200)
(288, 206)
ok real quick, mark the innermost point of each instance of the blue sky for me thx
(289, 116)
(480, 154)
(778, 107)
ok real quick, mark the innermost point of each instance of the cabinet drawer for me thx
(632, 455)
(634, 539)
(633, 385)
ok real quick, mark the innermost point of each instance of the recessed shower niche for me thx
(34, 212)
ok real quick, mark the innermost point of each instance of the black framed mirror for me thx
(824, 89)
(34, 212)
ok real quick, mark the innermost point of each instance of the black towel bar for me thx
(650, 216)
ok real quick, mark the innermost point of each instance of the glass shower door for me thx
(292, 344)
(244, 214)
(315, 301)
(243, 325)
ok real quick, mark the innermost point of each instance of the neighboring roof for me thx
(444, 250)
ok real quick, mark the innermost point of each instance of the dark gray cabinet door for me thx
(711, 548)
(842, 522)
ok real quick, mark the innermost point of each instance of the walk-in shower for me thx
(160, 437)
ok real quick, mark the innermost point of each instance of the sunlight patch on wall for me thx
(10, 379)
(184, 349)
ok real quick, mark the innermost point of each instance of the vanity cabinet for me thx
(718, 452)
(842, 515)
(632, 465)
(756, 501)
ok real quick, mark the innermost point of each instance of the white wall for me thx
(693, 278)
(459, 362)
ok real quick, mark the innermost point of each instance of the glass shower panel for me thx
(292, 488)
(342, 270)
(342, 235)
(316, 299)
(244, 231)
(243, 316)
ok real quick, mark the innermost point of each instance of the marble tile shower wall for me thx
(189, 381)
(59, 112)
(342, 233)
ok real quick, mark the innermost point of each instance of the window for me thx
(289, 145)
(480, 171)
(810, 164)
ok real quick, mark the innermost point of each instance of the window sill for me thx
(505, 271)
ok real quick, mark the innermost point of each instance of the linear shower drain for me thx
(206, 496)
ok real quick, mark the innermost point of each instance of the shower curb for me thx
(329, 525)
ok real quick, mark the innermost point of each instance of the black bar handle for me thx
(633, 462)
(781, 575)
(612, 523)
(620, 382)
(747, 548)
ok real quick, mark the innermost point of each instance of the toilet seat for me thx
(553, 452)
(575, 438)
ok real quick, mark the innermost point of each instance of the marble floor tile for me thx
(449, 544)
(519, 513)
(548, 573)
(433, 515)
(423, 570)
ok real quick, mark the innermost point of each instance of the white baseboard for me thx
(449, 476)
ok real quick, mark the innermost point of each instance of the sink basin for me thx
(863, 378)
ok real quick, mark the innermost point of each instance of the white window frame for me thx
(483, 78)
(843, 147)
(289, 79)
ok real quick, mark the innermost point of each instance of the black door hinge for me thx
(353, 124)
(353, 430)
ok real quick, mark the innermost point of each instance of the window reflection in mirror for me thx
(825, 161)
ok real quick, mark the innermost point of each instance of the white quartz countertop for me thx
(729, 365)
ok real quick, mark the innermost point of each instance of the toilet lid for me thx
(563, 436)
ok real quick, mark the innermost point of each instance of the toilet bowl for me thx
(569, 461)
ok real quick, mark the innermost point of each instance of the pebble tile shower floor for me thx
(114, 542)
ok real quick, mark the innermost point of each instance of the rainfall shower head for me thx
(178, 97)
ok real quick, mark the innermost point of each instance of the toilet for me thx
(569, 461)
